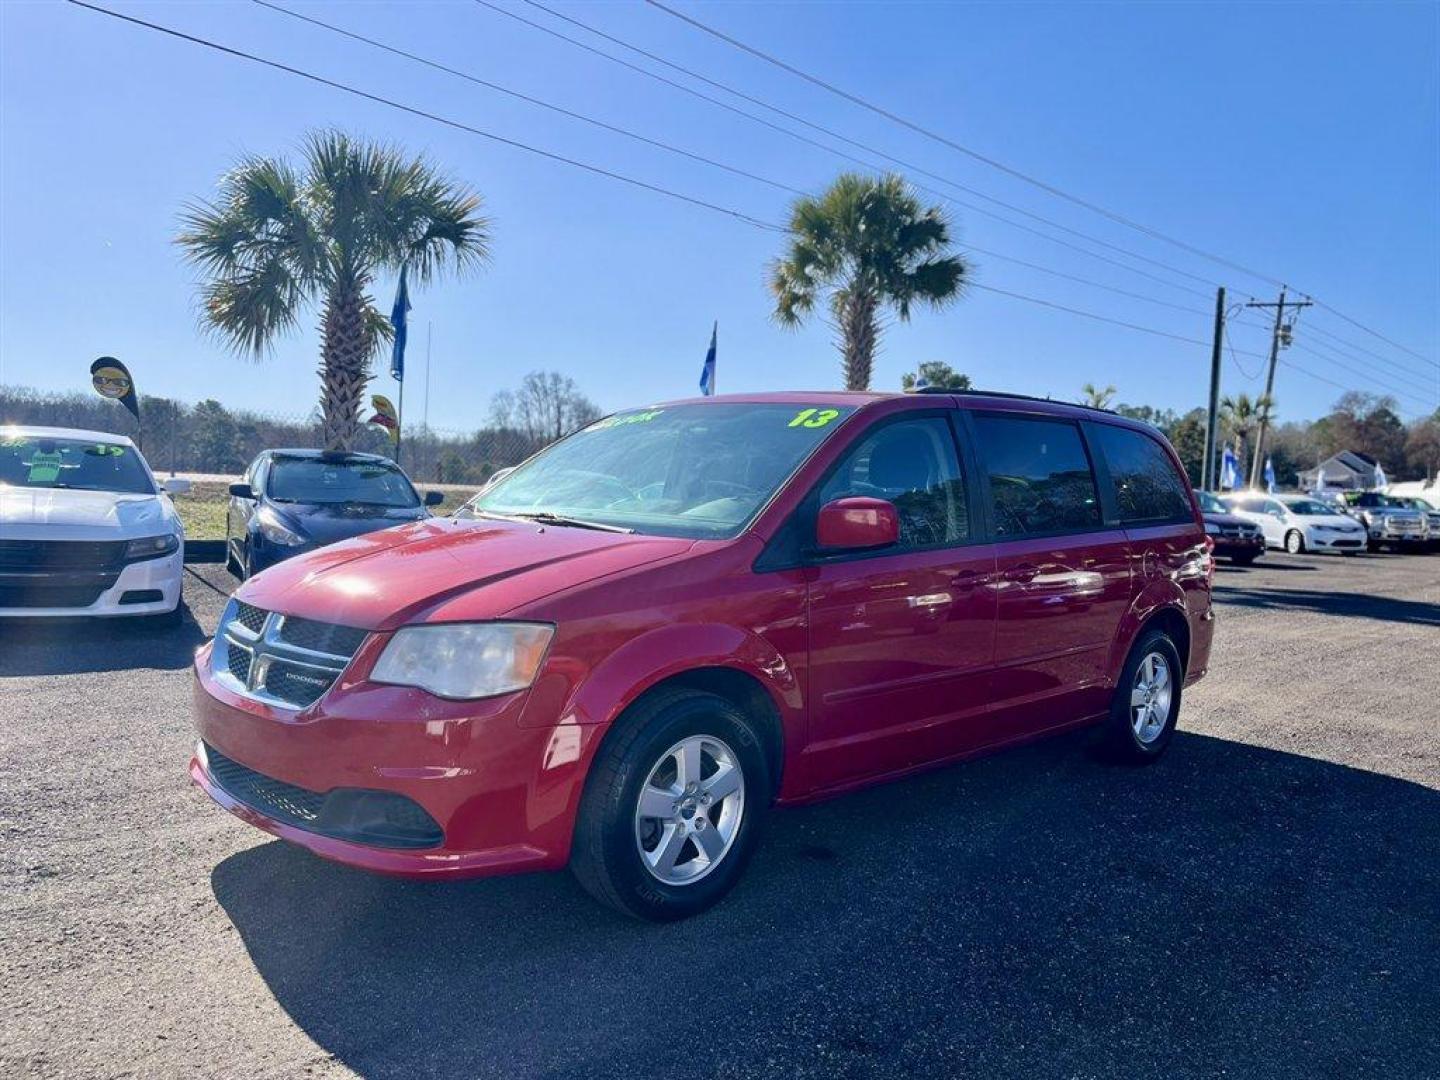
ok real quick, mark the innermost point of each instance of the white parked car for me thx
(1299, 523)
(85, 528)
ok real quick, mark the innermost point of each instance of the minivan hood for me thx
(68, 514)
(446, 570)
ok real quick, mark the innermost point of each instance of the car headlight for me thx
(151, 547)
(1211, 530)
(275, 530)
(464, 660)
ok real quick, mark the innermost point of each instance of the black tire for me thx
(1244, 560)
(1121, 741)
(606, 856)
(1295, 542)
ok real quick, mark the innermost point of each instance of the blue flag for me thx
(1229, 470)
(707, 373)
(1269, 476)
(398, 320)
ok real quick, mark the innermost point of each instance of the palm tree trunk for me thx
(859, 331)
(344, 366)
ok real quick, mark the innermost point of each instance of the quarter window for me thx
(1148, 491)
(1040, 477)
(912, 464)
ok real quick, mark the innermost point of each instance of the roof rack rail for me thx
(1010, 396)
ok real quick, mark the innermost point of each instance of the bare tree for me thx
(546, 406)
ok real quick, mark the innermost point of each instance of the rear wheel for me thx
(1295, 542)
(673, 808)
(1147, 700)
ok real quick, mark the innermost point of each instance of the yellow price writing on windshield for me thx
(813, 417)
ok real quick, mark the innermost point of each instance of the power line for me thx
(830, 132)
(1376, 334)
(670, 148)
(1089, 314)
(1007, 169)
(735, 214)
(470, 77)
(312, 77)
(1389, 388)
(1330, 353)
(1361, 348)
(1086, 281)
(968, 151)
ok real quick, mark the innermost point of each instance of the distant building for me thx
(1346, 471)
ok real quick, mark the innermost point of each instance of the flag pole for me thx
(399, 418)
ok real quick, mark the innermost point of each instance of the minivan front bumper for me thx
(501, 796)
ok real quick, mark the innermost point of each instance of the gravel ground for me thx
(1265, 902)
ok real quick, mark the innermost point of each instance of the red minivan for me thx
(623, 654)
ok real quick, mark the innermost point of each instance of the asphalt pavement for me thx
(1265, 902)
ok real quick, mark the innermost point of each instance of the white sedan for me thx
(1299, 523)
(85, 528)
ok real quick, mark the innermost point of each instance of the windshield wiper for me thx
(542, 517)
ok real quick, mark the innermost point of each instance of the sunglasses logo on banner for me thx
(385, 416)
(111, 379)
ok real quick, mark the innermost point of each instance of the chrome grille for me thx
(249, 616)
(281, 659)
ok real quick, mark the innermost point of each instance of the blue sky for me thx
(1300, 140)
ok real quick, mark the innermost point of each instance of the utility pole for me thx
(1212, 424)
(1267, 402)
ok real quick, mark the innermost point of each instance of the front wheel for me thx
(1147, 701)
(673, 807)
(1244, 560)
(1294, 542)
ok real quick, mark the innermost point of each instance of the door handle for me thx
(1023, 572)
(964, 581)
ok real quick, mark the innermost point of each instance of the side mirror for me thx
(241, 491)
(434, 498)
(857, 523)
(176, 486)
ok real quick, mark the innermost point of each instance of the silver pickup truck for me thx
(1389, 522)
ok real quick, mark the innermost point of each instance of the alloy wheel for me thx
(1150, 698)
(689, 810)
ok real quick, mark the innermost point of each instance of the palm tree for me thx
(278, 240)
(869, 245)
(1095, 397)
(1242, 415)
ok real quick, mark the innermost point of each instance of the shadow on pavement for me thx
(1353, 605)
(1232, 909)
(78, 645)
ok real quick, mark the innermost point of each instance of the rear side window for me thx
(912, 464)
(1148, 490)
(1040, 477)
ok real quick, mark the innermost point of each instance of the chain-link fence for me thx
(210, 438)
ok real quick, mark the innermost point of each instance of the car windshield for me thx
(31, 461)
(336, 482)
(1210, 504)
(1310, 508)
(682, 470)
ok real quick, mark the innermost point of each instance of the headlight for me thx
(464, 660)
(151, 547)
(1211, 530)
(275, 530)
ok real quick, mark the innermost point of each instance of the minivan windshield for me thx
(700, 470)
(323, 481)
(1310, 508)
(31, 461)
(1210, 504)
